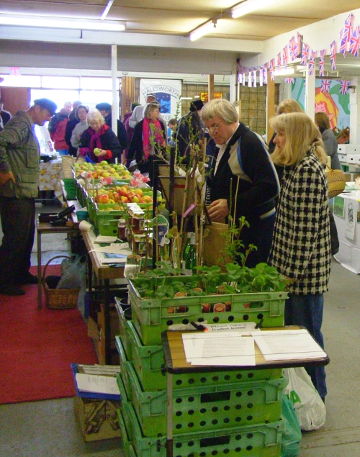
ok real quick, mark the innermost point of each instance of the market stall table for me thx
(50, 176)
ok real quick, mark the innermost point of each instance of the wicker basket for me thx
(59, 298)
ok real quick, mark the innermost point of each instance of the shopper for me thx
(148, 139)
(289, 105)
(190, 131)
(243, 180)
(19, 173)
(98, 142)
(4, 115)
(80, 127)
(57, 129)
(105, 110)
(329, 139)
(139, 111)
(72, 121)
(301, 244)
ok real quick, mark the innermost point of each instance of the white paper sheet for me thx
(219, 348)
(97, 384)
(288, 345)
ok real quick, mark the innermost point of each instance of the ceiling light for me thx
(111, 26)
(247, 7)
(204, 29)
(286, 71)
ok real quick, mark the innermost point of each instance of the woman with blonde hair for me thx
(300, 248)
(99, 142)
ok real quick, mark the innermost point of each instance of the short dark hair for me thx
(103, 106)
(196, 105)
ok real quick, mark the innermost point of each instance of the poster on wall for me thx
(167, 93)
(330, 101)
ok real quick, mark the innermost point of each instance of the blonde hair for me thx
(96, 116)
(301, 135)
(289, 106)
(150, 107)
(219, 108)
(322, 121)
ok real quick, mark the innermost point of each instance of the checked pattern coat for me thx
(301, 241)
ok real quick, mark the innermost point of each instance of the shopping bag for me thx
(336, 182)
(215, 244)
(291, 437)
(309, 407)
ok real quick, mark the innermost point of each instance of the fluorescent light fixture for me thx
(248, 6)
(286, 71)
(204, 29)
(107, 9)
(111, 26)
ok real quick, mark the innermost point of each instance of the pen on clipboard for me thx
(199, 327)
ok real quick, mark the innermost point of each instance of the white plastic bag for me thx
(308, 405)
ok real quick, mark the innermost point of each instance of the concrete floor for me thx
(49, 429)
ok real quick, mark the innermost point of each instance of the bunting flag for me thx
(271, 68)
(249, 79)
(348, 27)
(240, 78)
(278, 59)
(344, 86)
(322, 62)
(290, 80)
(244, 79)
(300, 43)
(311, 63)
(305, 54)
(343, 43)
(355, 42)
(261, 76)
(293, 48)
(265, 74)
(333, 50)
(285, 56)
(325, 85)
(254, 78)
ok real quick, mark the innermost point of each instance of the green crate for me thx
(152, 316)
(149, 360)
(205, 407)
(81, 194)
(262, 440)
(124, 330)
(70, 188)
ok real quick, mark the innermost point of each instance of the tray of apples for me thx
(115, 197)
(104, 171)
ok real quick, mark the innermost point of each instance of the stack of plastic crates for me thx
(224, 413)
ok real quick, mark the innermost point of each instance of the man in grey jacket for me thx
(19, 175)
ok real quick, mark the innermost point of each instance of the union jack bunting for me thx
(249, 79)
(300, 43)
(343, 43)
(265, 74)
(348, 28)
(325, 85)
(305, 53)
(293, 48)
(285, 56)
(240, 76)
(244, 79)
(278, 59)
(271, 68)
(333, 50)
(344, 86)
(322, 62)
(254, 78)
(290, 80)
(355, 42)
(311, 62)
(261, 77)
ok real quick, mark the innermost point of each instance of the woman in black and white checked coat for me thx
(301, 240)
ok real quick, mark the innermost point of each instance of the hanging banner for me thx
(167, 93)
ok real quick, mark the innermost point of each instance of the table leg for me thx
(39, 270)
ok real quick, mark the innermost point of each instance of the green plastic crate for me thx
(70, 188)
(149, 360)
(152, 316)
(262, 440)
(205, 407)
(124, 330)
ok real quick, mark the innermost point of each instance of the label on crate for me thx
(233, 326)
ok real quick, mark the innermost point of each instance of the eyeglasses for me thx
(214, 127)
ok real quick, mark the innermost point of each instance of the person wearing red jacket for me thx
(57, 129)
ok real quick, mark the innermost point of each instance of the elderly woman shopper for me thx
(329, 139)
(301, 244)
(243, 181)
(99, 142)
(148, 139)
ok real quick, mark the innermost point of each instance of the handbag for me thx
(336, 182)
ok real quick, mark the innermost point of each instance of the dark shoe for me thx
(27, 279)
(11, 290)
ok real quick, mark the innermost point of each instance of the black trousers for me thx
(18, 225)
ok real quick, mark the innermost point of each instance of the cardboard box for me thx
(97, 418)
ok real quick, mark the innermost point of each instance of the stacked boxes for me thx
(235, 413)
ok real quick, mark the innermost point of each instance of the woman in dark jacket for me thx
(148, 139)
(99, 142)
(329, 139)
